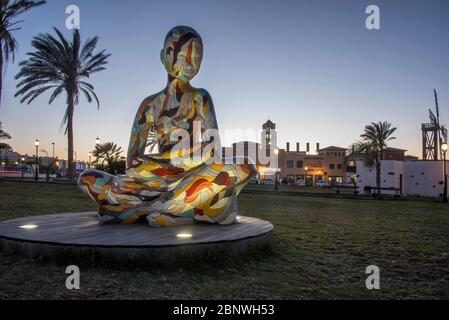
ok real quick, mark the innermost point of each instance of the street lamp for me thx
(444, 149)
(306, 169)
(23, 160)
(97, 143)
(36, 143)
(53, 145)
(90, 157)
(276, 180)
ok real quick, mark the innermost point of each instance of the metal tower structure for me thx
(433, 134)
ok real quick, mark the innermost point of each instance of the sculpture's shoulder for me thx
(151, 106)
(151, 100)
(206, 97)
(204, 93)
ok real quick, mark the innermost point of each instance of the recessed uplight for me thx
(239, 217)
(28, 226)
(184, 235)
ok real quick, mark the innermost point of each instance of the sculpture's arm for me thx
(210, 122)
(142, 124)
(210, 119)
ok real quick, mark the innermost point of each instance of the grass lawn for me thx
(298, 189)
(320, 250)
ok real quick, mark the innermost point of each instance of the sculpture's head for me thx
(182, 52)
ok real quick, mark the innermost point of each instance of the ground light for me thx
(28, 226)
(184, 235)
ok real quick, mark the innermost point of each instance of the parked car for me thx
(300, 183)
(321, 184)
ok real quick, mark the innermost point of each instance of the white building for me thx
(413, 178)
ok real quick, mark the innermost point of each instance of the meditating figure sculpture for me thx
(161, 187)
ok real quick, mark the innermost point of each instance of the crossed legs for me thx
(208, 194)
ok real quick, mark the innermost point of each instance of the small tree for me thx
(107, 153)
(4, 147)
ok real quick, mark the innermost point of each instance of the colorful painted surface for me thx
(156, 188)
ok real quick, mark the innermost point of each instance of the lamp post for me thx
(276, 181)
(23, 161)
(444, 149)
(90, 157)
(277, 173)
(305, 175)
(97, 143)
(36, 174)
(53, 145)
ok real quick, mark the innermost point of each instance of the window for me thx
(289, 164)
(339, 166)
(331, 166)
(298, 164)
(351, 163)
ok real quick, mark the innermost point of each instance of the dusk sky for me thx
(312, 67)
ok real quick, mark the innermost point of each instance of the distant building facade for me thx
(325, 166)
(414, 177)
(333, 166)
(301, 167)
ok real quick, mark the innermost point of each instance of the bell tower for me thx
(269, 135)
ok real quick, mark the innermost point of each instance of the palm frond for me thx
(62, 65)
(8, 12)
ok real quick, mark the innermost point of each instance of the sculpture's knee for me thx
(91, 177)
(93, 181)
(249, 170)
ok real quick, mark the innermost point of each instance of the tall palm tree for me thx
(374, 142)
(107, 152)
(62, 66)
(9, 11)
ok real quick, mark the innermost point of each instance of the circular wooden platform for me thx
(78, 235)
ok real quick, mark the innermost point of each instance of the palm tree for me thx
(9, 10)
(373, 145)
(107, 152)
(62, 66)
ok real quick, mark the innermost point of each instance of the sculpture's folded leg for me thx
(122, 199)
(208, 195)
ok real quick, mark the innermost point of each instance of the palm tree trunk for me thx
(1, 73)
(378, 164)
(70, 138)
